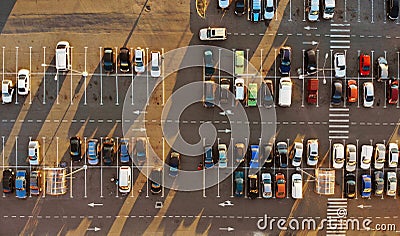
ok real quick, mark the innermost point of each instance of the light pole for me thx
(323, 68)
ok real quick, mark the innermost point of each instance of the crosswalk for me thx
(339, 123)
(339, 36)
(337, 213)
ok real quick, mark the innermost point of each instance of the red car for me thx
(393, 91)
(352, 91)
(365, 64)
(280, 187)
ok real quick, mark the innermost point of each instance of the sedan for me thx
(223, 162)
(312, 152)
(393, 91)
(140, 150)
(267, 91)
(368, 94)
(208, 157)
(286, 57)
(391, 184)
(379, 183)
(340, 65)
(23, 82)
(338, 155)
(254, 156)
(267, 153)
(174, 164)
(383, 68)
(239, 175)
(350, 188)
(269, 9)
(297, 154)
(366, 186)
(224, 90)
(93, 152)
(366, 156)
(33, 152)
(281, 153)
(124, 59)
(393, 9)
(280, 185)
(35, 182)
(75, 150)
(310, 61)
(352, 91)
(337, 89)
(8, 181)
(123, 151)
(155, 180)
(297, 186)
(239, 152)
(20, 184)
(108, 151)
(380, 151)
(253, 186)
(208, 63)
(365, 64)
(108, 60)
(267, 185)
(393, 155)
(351, 157)
(240, 8)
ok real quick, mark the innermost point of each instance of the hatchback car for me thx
(23, 82)
(223, 162)
(337, 89)
(368, 96)
(393, 9)
(350, 185)
(380, 153)
(224, 91)
(7, 91)
(352, 91)
(240, 152)
(174, 164)
(140, 150)
(124, 59)
(351, 157)
(310, 61)
(155, 180)
(393, 91)
(123, 151)
(35, 182)
(239, 175)
(253, 186)
(391, 184)
(8, 181)
(20, 184)
(108, 151)
(139, 60)
(312, 152)
(266, 185)
(281, 153)
(254, 162)
(379, 183)
(297, 154)
(366, 186)
(383, 68)
(93, 151)
(366, 156)
(269, 9)
(280, 185)
(267, 91)
(240, 7)
(338, 155)
(34, 152)
(340, 65)
(365, 64)
(297, 186)
(75, 149)
(393, 155)
(208, 157)
(286, 57)
(108, 60)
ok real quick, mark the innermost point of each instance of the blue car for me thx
(174, 164)
(239, 183)
(366, 186)
(208, 159)
(20, 184)
(286, 56)
(93, 152)
(124, 151)
(254, 156)
(255, 11)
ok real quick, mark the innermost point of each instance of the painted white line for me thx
(339, 35)
(334, 121)
(340, 30)
(339, 126)
(342, 115)
(338, 137)
(336, 47)
(334, 24)
(340, 41)
(338, 131)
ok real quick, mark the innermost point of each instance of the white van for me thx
(155, 64)
(297, 186)
(124, 180)
(313, 10)
(63, 56)
(329, 9)
(285, 92)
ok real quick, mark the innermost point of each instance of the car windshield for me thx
(269, 9)
(369, 98)
(365, 68)
(329, 10)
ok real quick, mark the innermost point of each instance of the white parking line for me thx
(341, 47)
(336, 121)
(339, 131)
(16, 73)
(339, 115)
(340, 41)
(44, 73)
(339, 35)
(116, 81)
(338, 137)
(339, 126)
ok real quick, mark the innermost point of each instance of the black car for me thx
(253, 186)
(123, 151)
(174, 164)
(350, 185)
(379, 183)
(267, 153)
(337, 89)
(310, 61)
(240, 7)
(75, 148)
(281, 153)
(124, 59)
(224, 90)
(208, 63)
(155, 180)
(393, 9)
(108, 151)
(8, 181)
(286, 55)
(108, 60)
(267, 93)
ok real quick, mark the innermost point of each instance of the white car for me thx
(313, 10)
(33, 152)
(223, 3)
(223, 163)
(340, 65)
(139, 60)
(125, 178)
(338, 155)
(393, 155)
(285, 92)
(366, 156)
(297, 186)
(380, 151)
(368, 94)
(312, 152)
(7, 91)
(212, 34)
(297, 154)
(239, 89)
(351, 156)
(266, 180)
(269, 10)
(391, 184)
(23, 82)
(155, 64)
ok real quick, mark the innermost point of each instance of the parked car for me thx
(174, 164)
(297, 186)
(224, 91)
(253, 90)
(350, 188)
(269, 9)
(393, 91)
(35, 182)
(253, 186)
(267, 93)
(23, 82)
(280, 185)
(379, 183)
(240, 92)
(352, 91)
(254, 162)
(365, 64)
(267, 153)
(124, 179)
(240, 7)
(7, 91)
(139, 60)
(75, 148)
(223, 3)
(8, 181)
(310, 61)
(366, 186)
(337, 89)
(340, 65)
(124, 59)
(255, 11)
(209, 93)
(351, 157)
(380, 152)
(155, 69)
(108, 60)
(266, 180)
(281, 153)
(391, 184)
(208, 34)
(208, 157)
(312, 152)
(286, 57)
(393, 155)
(34, 152)
(208, 63)
(297, 154)
(123, 151)
(383, 68)
(140, 150)
(108, 151)
(223, 162)
(93, 152)
(20, 184)
(338, 155)
(239, 62)
(368, 94)
(239, 175)
(285, 92)
(155, 180)
(393, 9)
(366, 156)
(313, 10)
(240, 152)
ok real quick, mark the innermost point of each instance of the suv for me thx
(383, 68)
(75, 148)
(281, 153)
(208, 63)
(7, 91)
(310, 61)
(155, 70)
(20, 184)
(33, 152)
(286, 56)
(255, 11)
(338, 155)
(208, 157)
(312, 152)
(108, 151)
(63, 56)
(139, 60)
(393, 9)
(285, 92)
(340, 65)
(8, 181)
(212, 34)
(297, 154)
(35, 182)
(108, 60)
(391, 184)
(124, 59)
(393, 151)
(140, 150)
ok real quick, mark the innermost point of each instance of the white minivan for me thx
(155, 64)
(124, 180)
(285, 92)
(63, 56)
